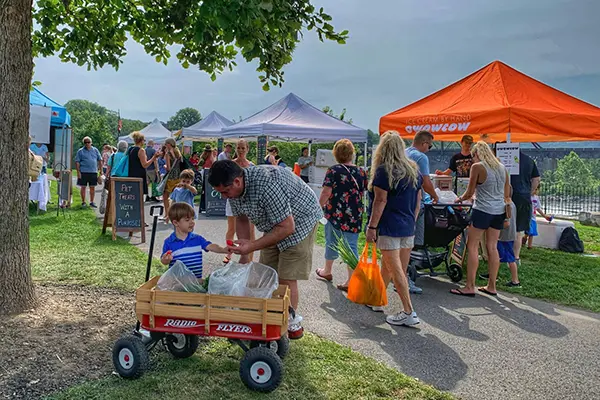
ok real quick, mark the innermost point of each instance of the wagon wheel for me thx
(261, 370)
(455, 272)
(281, 346)
(180, 345)
(130, 357)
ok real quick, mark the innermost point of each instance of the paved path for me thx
(509, 347)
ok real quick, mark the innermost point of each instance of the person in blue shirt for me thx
(184, 245)
(184, 192)
(88, 162)
(395, 192)
(422, 143)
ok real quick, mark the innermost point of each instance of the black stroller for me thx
(443, 223)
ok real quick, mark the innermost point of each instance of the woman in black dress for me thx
(138, 162)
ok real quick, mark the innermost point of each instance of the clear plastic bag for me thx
(179, 278)
(446, 196)
(248, 280)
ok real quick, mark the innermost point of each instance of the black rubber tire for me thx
(282, 347)
(412, 273)
(187, 350)
(138, 353)
(455, 272)
(269, 358)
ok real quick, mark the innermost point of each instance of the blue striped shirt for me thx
(188, 251)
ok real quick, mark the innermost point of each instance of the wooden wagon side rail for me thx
(199, 306)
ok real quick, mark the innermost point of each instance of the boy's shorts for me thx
(506, 252)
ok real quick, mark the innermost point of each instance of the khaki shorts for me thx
(294, 263)
(150, 176)
(171, 185)
(395, 243)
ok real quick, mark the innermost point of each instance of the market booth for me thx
(49, 124)
(292, 119)
(208, 129)
(498, 103)
(155, 131)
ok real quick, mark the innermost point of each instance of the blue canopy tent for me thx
(59, 117)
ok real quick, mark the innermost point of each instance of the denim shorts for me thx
(331, 235)
(483, 220)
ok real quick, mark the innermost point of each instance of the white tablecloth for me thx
(40, 191)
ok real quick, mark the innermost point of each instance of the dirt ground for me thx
(64, 341)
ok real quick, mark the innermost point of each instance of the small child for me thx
(185, 245)
(506, 241)
(535, 209)
(184, 192)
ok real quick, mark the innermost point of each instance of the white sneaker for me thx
(375, 308)
(296, 320)
(144, 332)
(403, 318)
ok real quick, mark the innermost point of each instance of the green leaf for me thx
(158, 59)
(267, 6)
(266, 87)
(185, 64)
(213, 77)
(341, 41)
(344, 33)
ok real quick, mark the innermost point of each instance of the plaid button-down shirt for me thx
(271, 195)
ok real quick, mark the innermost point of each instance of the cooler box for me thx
(549, 232)
(442, 182)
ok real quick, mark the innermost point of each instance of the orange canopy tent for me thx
(494, 101)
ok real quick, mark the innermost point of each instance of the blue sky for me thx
(399, 51)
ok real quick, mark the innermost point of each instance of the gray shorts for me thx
(395, 243)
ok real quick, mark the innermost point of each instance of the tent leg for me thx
(309, 147)
(366, 155)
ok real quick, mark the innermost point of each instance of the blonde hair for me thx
(485, 154)
(187, 174)
(137, 137)
(343, 151)
(391, 155)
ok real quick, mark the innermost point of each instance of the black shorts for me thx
(483, 220)
(523, 207)
(304, 178)
(88, 179)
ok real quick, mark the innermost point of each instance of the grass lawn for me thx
(314, 369)
(71, 249)
(564, 278)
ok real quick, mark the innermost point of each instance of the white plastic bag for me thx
(179, 278)
(446, 196)
(248, 280)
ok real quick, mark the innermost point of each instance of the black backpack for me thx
(570, 242)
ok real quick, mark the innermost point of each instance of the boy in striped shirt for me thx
(185, 245)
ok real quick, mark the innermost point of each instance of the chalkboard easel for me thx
(214, 203)
(125, 207)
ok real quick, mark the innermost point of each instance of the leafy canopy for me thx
(184, 118)
(208, 34)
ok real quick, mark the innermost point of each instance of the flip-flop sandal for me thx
(459, 292)
(328, 278)
(343, 288)
(484, 290)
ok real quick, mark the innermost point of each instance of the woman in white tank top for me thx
(490, 182)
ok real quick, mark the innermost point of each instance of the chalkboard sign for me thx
(215, 205)
(125, 206)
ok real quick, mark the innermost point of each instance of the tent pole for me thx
(366, 154)
(309, 147)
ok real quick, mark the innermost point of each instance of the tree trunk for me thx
(16, 63)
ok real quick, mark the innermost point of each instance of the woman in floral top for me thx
(342, 202)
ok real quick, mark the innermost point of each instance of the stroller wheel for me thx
(455, 272)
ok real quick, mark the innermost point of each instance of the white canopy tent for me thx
(208, 129)
(294, 120)
(155, 131)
